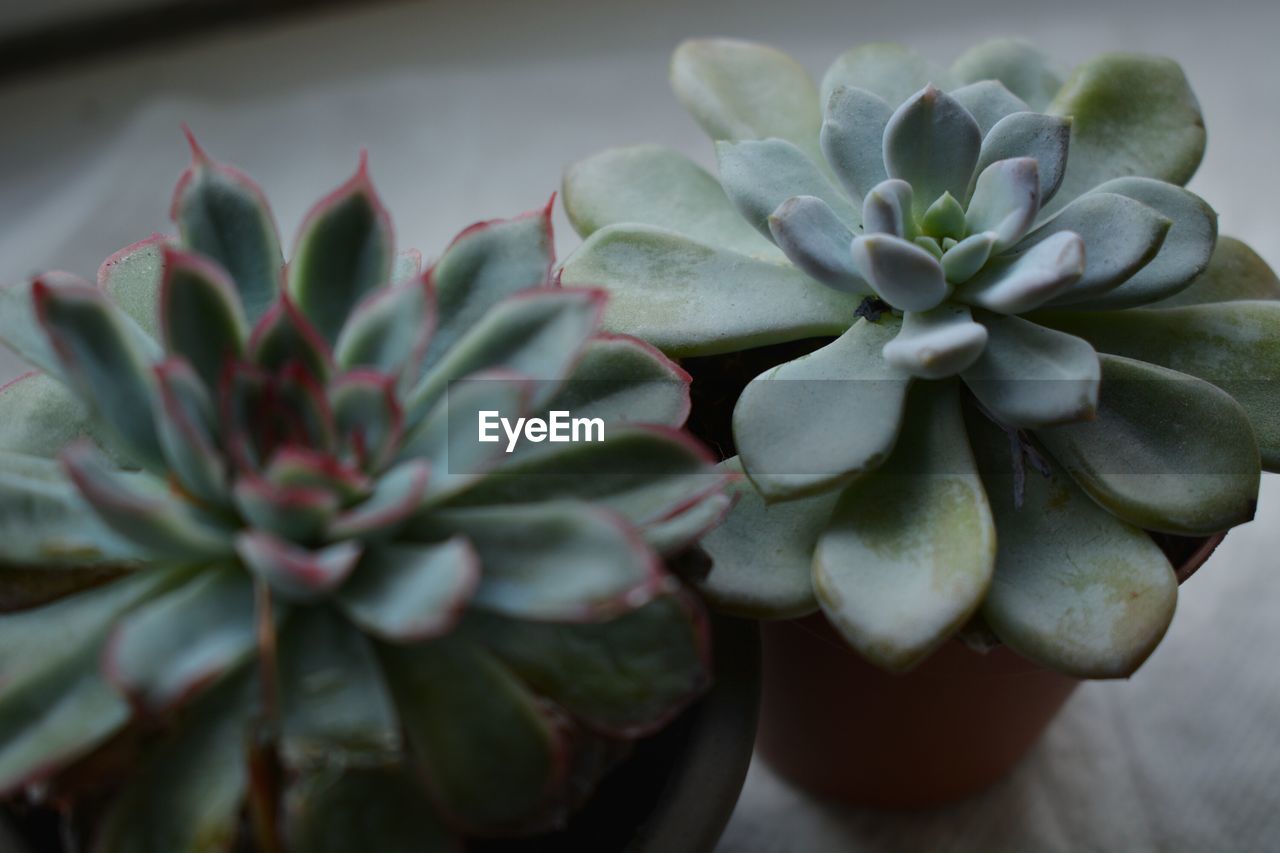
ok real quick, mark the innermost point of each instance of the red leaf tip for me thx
(199, 157)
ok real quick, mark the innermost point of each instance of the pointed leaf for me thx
(336, 710)
(966, 258)
(172, 647)
(344, 252)
(1021, 282)
(890, 71)
(1183, 255)
(627, 677)
(742, 90)
(491, 752)
(936, 344)
(1234, 345)
(671, 291)
(910, 550)
(903, 274)
(1006, 198)
(944, 220)
(201, 319)
(299, 512)
(814, 239)
(563, 561)
(1041, 137)
(1075, 588)
(1021, 66)
(792, 422)
(1148, 459)
(853, 138)
(223, 215)
(39, 416)
(758, 175)
(1235, 272)
(142, 509)
(652, 185)
(988, 101)
(1131, 115)
(105, 358)
(185, 422)
(297, 574)
(676, 533)
(398, 494)
(484, 265)
(1030, 376)
(411, 593)
(283, 336)
(762, 555)
(131, 279)
(932, 143)
(20, 328)
(368, 416)
(332, 812)
(625, 380)
(1120, 235)
(390, 330)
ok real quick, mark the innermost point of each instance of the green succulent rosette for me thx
(252, 550)
(1029, 347)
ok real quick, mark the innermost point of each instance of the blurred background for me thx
(471, 109)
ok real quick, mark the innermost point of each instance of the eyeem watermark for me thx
(561, 426)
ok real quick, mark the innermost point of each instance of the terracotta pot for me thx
(842, 729)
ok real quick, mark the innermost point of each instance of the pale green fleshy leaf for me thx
(762, 554)
(1030, 376)
(131, 279)
(688, 298)
(742, 90)
(201, 318)
(903, 274)
(1235, 272)
(793, 423)
(335, 811)
(1148, 459)
(675, 533)
(1075, 588)
(625, 380)
(336, 710)
(1021, 66)
(910, 549)
(853, 138)
(886, 209)
(40, 416)
(652, 185)
(1005, 200)
(20, 330)
(937, 343)
(1044, 138)
(1132, 115)
(296, 574)
(1017, 283)
(962, 261)
(627, 676)
(1234, 345)
(410, 593)
(1183, 255)
(185, 423)
(988, 101)
(814, 239)
(944, 220)
(758, 175)
(389, 331)
(890, 71)
(932, 143)
(1120, 235)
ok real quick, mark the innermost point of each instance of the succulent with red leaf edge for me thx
(977, 240)
(275, 469)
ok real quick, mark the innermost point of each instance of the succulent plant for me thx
(252, 543)
(974, 270)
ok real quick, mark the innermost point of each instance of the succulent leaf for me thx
(565, 561)
(398, 494)
(39, 416)
(201, 319)
(626, 676)
(932, 143)
(1144, 457)
(1132, 115)
(1075, 588)
(652, 185)
(886, 209)
(814, 239)
(619, 376)
(1235, 272)
(1005, 200)
(791, 422)
(966, 258)
(852, 131)
(671, 291)
(1029, 376)
(185, 423)
(492, 753)
(343, 253)
(762, 555)
(678, 532)
(170, 647)
(1183, 255)
(297, 574)
(223, 215)
(909, 552)
(988, 101)
(106, 359)
(131, 279)
(300, 512)
(937, 343)
(901, 273)
(944, 219)
(1023, 68)
(1018, 283)
(411, 593)
(1234, 345)
(741, 90)
(889, 71)
(337, 710)
(331, 812)
(1120, 236)
(20, 328)
(283, 336)
(758, 175)
(368, 417)
(1043, 138)
(389, 331)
